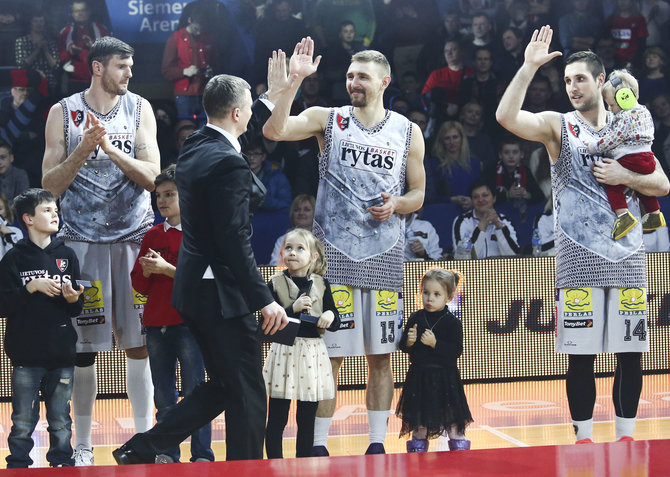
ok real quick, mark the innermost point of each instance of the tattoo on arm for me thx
(143, 146)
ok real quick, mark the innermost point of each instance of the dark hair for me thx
(6, 145)
(509, 139)
(347, 23)
(482, 183)
(593, 62)
(9, 213)
(26, 201)
(106, 47)
(166, 175)
(222, 94)
(256, 144)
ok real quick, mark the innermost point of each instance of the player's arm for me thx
(145, 166)
(542, 127)
(59, 169)
(610, 172)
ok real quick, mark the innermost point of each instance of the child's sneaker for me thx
(623, 224)
(417, 445)
(375, 448)
(459, 444)
(651, 222)
(587, 440)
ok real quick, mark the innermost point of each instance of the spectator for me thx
(451, 169)
(421, 239)
(336, 61)
(278, 190)
(278, 29)
(660, 108)
(410, 89)
(483, 87)
(329, 15)
(628, 28)
(657, 14)
(9, 235)
(490, 234)
(543, 232)
(442, 89)
(301, 216)
(517, 14)
(654, 82)
(579, 29)
(420, 118)
(482, 36)
(13, 180)
(10, 30)
(514, 182)
(511, 58)
(432, 55)
(539, 96)
(166, 115)
(606, 50)
(479, 139)
(37, 50)
(74, 43)
(189, 60)
(539, 165)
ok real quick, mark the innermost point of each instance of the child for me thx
(9, 234)
(38, 299)
(627, 138)
(433, 399)
(302, 371)
(168, 338)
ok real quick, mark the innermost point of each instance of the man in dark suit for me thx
(217, 285)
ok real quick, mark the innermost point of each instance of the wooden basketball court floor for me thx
(520, 428)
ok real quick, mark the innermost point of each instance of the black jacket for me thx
(39, 329)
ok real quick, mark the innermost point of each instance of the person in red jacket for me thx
(188, 61)
(168, 338)
(74, 42)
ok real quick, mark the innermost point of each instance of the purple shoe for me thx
(459, 444)
(375, 448)
(417, 445)
(320, 451)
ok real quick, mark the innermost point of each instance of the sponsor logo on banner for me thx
(344, 301)
(387, 303)
(632, 301)
(93, 300)
(139, 300)
(578, 302)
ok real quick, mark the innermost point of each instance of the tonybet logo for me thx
(361, 156)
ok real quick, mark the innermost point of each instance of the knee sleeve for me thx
(580, 385)
(627, 384)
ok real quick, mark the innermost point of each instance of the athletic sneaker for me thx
(586, 440)
(625, 439)
(83, 456)
(201, 459)
(320, 451)
(375, 448)
(164, 459)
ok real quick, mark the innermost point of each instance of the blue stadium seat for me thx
(267, 227)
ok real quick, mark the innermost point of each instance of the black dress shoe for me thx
(124, 455)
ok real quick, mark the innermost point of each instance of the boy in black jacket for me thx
(38, 299)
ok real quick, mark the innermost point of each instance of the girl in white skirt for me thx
(302, 371)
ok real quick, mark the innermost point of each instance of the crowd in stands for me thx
(451, 62)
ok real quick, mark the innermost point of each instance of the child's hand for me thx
(411, 335)
(428, 338)
(152, 262)
(48, 286)
(70, 294)
(326, 319)
(303, 303)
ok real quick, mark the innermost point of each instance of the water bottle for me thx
(463, 249)
(537, 246)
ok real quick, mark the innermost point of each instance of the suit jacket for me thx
(216, 188)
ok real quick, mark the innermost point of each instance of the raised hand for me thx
(537, 51)
(302, 63)
(277, 77)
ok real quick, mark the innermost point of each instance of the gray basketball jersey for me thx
(102, 204)
(355, 167)
(586, 255)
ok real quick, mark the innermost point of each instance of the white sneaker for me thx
(83, 456)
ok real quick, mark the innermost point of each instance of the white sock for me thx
(583, 429)
(84, 392)
(625, 426)
(140, 393)
(378, 422)
(321, 428)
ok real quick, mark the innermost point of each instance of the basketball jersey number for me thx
(388, 331)
(639, 331)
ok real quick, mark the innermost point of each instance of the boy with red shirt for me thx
(168, 338)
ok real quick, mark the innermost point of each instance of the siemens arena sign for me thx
(145, 21)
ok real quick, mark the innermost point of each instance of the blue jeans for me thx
(56, 388)
(166, 345)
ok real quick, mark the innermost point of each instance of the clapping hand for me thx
(153, 262)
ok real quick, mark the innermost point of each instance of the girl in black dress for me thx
(433, 399)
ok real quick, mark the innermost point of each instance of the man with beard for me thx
(601, 304)
(101, 158)
(367, 155)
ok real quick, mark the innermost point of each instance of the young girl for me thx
(301, 371)
(433, 399)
